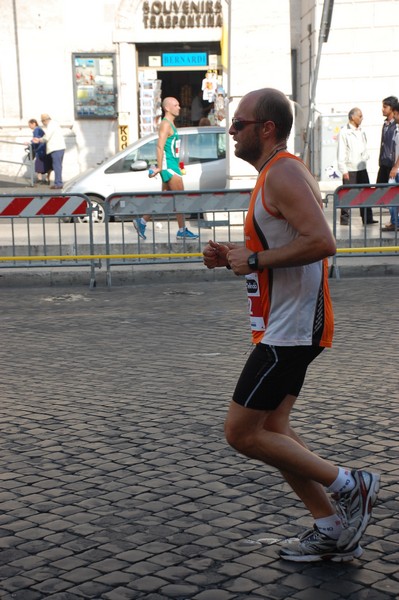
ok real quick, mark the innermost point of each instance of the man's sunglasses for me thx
(239, 124)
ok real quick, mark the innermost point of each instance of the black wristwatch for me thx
(253, 262)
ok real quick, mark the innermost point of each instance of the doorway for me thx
(183, 85)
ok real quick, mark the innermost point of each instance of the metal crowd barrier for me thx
(203, 212)
(28, 241)
(26, 161)
(379, 197)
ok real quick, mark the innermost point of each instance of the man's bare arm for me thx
(291, 194)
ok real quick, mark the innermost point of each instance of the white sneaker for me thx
(355, 507)
(314, 546)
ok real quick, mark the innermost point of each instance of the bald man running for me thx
(168, 149)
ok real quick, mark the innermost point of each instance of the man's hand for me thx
(238, 260)
(215, 255)
(154, 172)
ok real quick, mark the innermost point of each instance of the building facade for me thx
(101, 67)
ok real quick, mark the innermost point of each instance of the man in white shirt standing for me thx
(55, 145)
(352, 160)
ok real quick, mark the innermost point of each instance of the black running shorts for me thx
(272, 372)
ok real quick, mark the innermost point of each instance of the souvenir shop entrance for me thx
(175, 72)
(183, 85)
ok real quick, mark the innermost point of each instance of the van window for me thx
(205, 147)
(146, 152)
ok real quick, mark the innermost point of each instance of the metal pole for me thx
(14, 6)
(31, 166)
(323, 37)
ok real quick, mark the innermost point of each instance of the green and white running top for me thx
(171, 153)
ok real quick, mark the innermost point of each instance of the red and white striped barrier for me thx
(367, 195)
(36, 206)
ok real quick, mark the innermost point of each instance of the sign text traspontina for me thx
(183, 15)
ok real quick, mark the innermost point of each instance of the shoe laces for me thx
(312, 534)
(341, 503)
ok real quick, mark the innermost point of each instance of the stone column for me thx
(127, 101)
(259, 56)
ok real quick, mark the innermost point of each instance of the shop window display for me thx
(150, 106)
(94, 86)
(209, 85)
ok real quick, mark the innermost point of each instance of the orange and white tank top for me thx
(288, 306)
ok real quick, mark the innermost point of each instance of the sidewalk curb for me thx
(144, 274)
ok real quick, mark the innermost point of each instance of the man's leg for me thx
(362, 177)
(268, 437)
(312, 493)
(394, 210)
(383, 174)
(175, 184)
(344, 218)
(140, 223)
(57, 157)
(383, 177)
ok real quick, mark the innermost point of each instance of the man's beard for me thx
(251, 151)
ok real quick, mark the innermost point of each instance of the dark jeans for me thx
(383, 174)
(57, 157)
(358, 177)
(383, 177)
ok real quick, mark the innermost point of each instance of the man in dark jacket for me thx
(387, 153)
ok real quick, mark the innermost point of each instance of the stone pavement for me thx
(115, 479)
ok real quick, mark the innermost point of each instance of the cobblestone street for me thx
(115, 480)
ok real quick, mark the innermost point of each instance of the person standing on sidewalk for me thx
(43, 166)
(168, 148)
(386, 158)
(284, 260)
(55, 146)
(393, 224)
(352, 160)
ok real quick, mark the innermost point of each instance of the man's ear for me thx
(269, 127)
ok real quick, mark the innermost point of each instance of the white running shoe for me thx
(355, 507)
(314, 546)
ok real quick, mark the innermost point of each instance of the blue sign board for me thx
(185, 59)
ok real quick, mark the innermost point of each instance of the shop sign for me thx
(185, 59)
(182, 15)
(123, 134)
(154, 61)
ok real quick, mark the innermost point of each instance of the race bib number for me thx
(254, 303)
